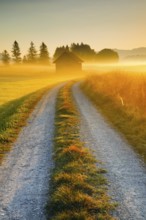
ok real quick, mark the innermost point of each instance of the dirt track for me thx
(126, 172)
(24, 175)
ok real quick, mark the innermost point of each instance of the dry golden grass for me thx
(119, 67)
(125, 89)
(122, 99)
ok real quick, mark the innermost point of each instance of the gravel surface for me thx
(126, 172)
(24, 175)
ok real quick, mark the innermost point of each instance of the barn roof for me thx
(68, 54)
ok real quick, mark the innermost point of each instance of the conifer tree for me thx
(16, 54)
(32, 53)
(5, 57)
(24, 60)
(44, 54)
(59, 51)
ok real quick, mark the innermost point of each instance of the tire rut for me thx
(126, 173)
(25, 173)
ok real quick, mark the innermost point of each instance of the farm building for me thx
(68, 62)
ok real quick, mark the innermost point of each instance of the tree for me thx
(16, 54)
(60, 50)
(107, 56)
(44, 54)
(24, 60)
(84, 51)
(32, 53)
(5, 57)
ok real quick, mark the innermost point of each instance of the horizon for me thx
(100, 24)
(51, 55)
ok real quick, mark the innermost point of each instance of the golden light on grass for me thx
(17, 81)
(21, 87)
(121, 97)
(78, 186)
(119, 67)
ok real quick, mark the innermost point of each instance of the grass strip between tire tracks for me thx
(13, 116)
(78, 187)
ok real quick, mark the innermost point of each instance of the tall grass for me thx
(77, 185)
(121, 97)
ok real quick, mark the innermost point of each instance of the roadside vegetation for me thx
(121, 97)
(21, 87)
(18, 81)
(13, 117)
(78, 187)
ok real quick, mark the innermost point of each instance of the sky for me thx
(100, 23)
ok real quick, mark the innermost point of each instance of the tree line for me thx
(32, 57)
(87, 54)
(84, 51)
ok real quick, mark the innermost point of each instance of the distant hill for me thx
(134, 54)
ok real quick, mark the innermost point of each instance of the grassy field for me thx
(77, 186)
(16, 81)
(119, 67)
(20, 89)
(121, 97)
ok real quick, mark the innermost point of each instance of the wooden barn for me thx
(68, 62)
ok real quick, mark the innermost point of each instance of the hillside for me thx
(133, 54)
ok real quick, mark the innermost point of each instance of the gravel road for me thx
(24, 175)
(126, 172)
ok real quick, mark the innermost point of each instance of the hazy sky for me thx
(100, 23)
